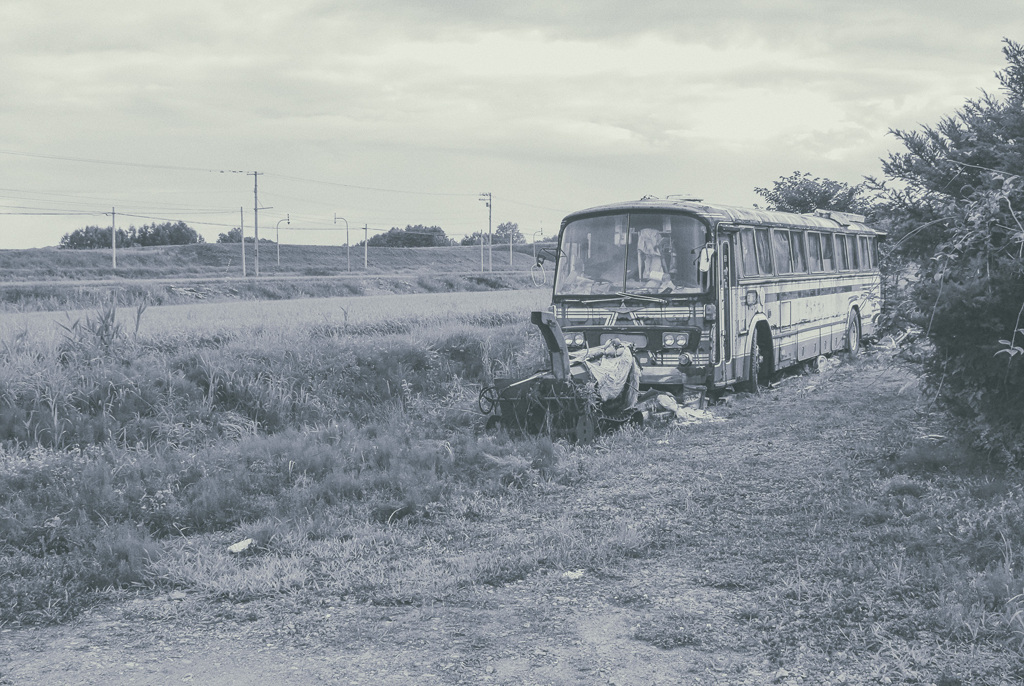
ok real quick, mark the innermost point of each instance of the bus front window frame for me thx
(643, 253)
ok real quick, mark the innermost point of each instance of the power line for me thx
(369, 188)
(115, 163)
(526, 204)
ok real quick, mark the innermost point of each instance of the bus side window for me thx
(828, 256)
(865, 256)
(783, 255)
(748, 257)
(843, 254)
(764, 251)
(851, 242)
(814, 252)
(799, 252)
(873, 251)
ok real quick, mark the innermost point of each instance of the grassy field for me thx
(824, 529)
(217, 260)
(49, 279)
(283, 319)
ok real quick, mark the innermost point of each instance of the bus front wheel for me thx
(853, 335)
(760, 370)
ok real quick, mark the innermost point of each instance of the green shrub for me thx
(955, 211)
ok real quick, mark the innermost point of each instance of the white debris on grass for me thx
(241, 546)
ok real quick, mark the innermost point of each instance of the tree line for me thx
(168, 233)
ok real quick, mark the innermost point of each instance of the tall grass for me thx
(113, 441)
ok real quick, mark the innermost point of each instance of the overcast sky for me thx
(396, 112)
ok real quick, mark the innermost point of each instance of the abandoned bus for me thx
(711, 296)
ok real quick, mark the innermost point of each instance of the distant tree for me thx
(169, 233)
(417, 236)
(232, 236)
(801, 193)
(506, 230)
(499, 237)
(91, 237)
(474, 238)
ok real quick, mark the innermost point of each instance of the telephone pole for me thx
(241, 234)
(256, 216)
(113, 237)
(486, 197)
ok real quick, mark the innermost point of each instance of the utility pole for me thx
(256, 216)
(366, 247)
(486, 197)
(510, 248)
(481, 251)
(113, 237)
(348, 246)
(241, 234)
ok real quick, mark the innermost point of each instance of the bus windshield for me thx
(642, 253)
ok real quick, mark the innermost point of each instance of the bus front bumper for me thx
(673, 376)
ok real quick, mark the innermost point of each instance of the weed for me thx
(671, 630)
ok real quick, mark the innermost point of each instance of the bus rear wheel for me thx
(853, 335)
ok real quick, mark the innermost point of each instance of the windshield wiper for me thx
(646, 298)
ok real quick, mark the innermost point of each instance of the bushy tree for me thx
(417, 236)
(801, 193)
(91, 237)
(232, 236)
(508, 230)
(499, 237)
(168, 233)
(474, 238)
(955, 197)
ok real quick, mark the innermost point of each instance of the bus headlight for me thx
(674, 340)
(575, 339)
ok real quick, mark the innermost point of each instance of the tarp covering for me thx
(615, 371)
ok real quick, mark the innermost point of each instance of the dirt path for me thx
(543, 631)
(739, 505)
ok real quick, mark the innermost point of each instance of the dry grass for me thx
(821, 525)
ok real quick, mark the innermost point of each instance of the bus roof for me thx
(833, 221)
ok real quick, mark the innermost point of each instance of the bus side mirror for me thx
(704, 259)
(545, 254)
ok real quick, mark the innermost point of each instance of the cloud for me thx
(555, 104)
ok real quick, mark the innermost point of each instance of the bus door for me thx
(726, 329)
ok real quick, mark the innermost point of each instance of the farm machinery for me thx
(579, 395)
